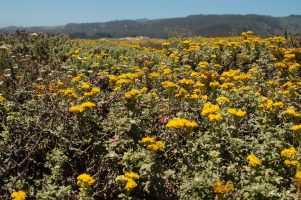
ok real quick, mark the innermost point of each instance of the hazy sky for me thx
(60, 12)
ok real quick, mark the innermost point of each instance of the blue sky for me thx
(60, 12)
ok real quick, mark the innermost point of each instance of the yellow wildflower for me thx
(236, 112)
(179, 123)
(203, 64)
(253, 160)
(59, 83)
(128, 177)
(182, 93)
(194, 96)
(292, 112)
(204, 97)
(148, 140)
(280, 65)
(69, 92)
(215, 117)
(82, 107)
(278, 104)
(20, 195)
(210, 108)
(87, 104)
(85, 86)
(296, 128)
(131, 175)
(169, 85)
(217, 65)
(294, 67)
(76, 109)
(222, 100)
(291, 163)
(77, 78)
(131, 94)
(227, 86)
(94, 90)
(112, 78)
(130, 184)
(134, 93)
(268, 106)
(287, 153)
(1, 98)
(123, 81)
(298, 174)
(156, 146)
(273, 83)
(185, 81)
(198, 85)
(214, 84)
(153, 75)
(85, 180)
(165, 43)
(220, 187)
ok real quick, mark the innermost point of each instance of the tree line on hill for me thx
(194, 25)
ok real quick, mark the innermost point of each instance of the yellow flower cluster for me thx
(212, 111)
(268, 106)
(165, 43)
(152, 144)
(69, 92)
(227, 76)
(85, 86)
(182, 93)
(82, 107)
(296, 128)
(288, 153)
(77, 78)
(129, 179)
(126, 78)
(222, 100)
(236, 112)
(148, 140)
(20, 195)
(273, 83)
(169, 85)
(185, 81)
(294, 67)
(294, 163)
(203, 64)
(247, 34)
(210, 108)
(297, 179)
(153, 75)
(179, 123)
(85, 180)
(134, 93)
(94, 90)
(227, 86)
(214, 84)
(253, 160)
(292, 112)
(222, 188)
(1, 98)
(298, 174)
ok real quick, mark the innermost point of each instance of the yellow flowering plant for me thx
(179, 117)
(85, 180)
(19, 195)
(253, 160)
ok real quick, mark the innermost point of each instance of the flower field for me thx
(193, 118)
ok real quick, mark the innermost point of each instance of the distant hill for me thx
(194, 25)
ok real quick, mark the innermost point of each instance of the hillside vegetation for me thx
(183, 118)
(195, 25)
